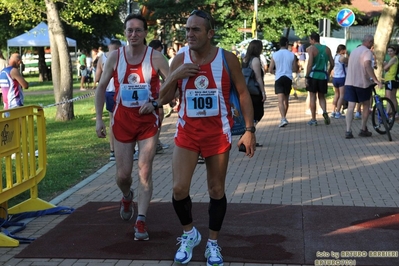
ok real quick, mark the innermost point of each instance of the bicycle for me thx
(383, 114)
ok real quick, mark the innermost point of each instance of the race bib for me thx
(135, 95)
(202, 103)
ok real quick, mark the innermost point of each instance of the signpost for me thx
(345, 17)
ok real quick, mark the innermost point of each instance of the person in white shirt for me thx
(282, 65)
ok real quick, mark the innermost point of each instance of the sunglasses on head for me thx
(202, 14)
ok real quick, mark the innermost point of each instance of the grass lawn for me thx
(73, 150)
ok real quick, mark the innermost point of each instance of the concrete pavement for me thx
(297, 165)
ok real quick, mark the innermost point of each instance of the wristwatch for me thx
(251, 129)
(155, 104)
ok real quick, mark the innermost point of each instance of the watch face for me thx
(155, 104)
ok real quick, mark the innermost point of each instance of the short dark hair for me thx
(206, 16)
(315, 36)
(115, 42)
(155, 44)
(283, 41)
(136, 16)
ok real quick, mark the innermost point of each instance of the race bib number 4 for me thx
(134, 95)
(202, 103)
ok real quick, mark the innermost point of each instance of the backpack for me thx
(250, 79)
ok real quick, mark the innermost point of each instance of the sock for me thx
(212, 241)
(141, 217)
(191, 233)
(129, 196)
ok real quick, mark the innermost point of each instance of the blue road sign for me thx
(345, 17)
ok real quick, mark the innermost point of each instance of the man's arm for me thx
(99, 70)
(272, 69)
(177, 71)
(15, 74)
(160, 63)
(311, 51)
(295, 65)
(370, 72)
(331, 60)
(248, 139)
(100, 92)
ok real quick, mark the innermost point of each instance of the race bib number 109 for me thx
(202, 103)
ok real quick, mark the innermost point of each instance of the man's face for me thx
(369, 43)
(135, 32)
(196, 33)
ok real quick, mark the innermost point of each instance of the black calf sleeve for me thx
(216, 211)
(183, 210)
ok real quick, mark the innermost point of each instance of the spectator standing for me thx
(302, 56)
(338, 80)
(358, 84)
(319, 67)
(3, 61)
(252, 60)
(136, 69)
(82, 69)
(12, 83)
(282, 65)
(391, 81)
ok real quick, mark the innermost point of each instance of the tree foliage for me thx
(273, 16)
(75, 13)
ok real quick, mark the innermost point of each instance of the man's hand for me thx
(249, 140)
(100, 129)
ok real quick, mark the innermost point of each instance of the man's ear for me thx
(211, 33)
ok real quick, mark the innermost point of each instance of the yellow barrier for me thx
(22, 132)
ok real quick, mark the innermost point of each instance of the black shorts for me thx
(391, 85)
(317, 85)
(283, 85)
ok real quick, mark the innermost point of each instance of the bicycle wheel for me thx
(377, 117)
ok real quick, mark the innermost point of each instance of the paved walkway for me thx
(298, 165)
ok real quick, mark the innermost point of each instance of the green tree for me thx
(71, 12)
(229, 15)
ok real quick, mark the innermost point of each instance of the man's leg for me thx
(216, 166)
(147, 149)
(365, 114)
(281, 105)
(312, 104)
(111, 137)
(349, 116)
(184, 163)
(124, 165)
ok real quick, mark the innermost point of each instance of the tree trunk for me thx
(61, 66)
(43, 69)
(383, 34)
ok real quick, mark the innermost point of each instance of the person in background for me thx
(338, 80)
(358, 85)
(252, 59)
(12, 83)
(136, 116)
(109, 92)
(157, 45)
(301, 54)
(82, 69)
(200, 73)
(3, 61)
(283, 64)
(391, 81)
(171, 54)
(319, 67)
